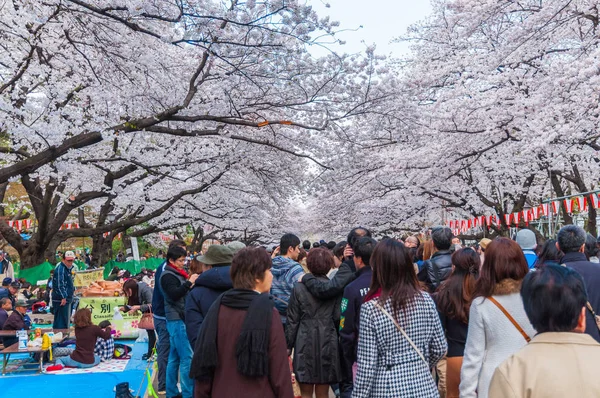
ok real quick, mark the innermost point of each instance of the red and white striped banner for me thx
(569, 205)
(535, 212)
(517, 218)
(594, 200)
(556, 207)
(507, 218)
(582, 203)
(545, 209)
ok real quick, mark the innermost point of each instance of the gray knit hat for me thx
(526, 239)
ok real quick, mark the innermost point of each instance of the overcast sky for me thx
(381, 20)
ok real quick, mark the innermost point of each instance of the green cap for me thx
(236, 246)
(216, 254)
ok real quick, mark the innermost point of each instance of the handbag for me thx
(295, 386)
(147, 320)
(511, 319)
(403, 332)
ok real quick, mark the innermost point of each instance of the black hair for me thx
(338, 250)
(548, 252)
(331, 244)
(364, 248)
(175, 252)
(553, 297)
(104, 324)
(356, 234)
(306, 245)
(591, 249)
(177, 242)
(442, 238)
(571, 238)
(316, 244)
(288, 241)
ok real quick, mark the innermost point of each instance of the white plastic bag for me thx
(142, 336)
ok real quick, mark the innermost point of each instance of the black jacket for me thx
(207, 288)
(311, 330)
(324, 288)
(354, 295)
(436, 269)
(590, 272)
(174, 287)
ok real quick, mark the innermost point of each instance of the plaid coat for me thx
(388, 366)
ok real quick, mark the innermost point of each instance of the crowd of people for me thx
(359, 318)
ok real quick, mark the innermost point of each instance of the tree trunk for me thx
(33, 253)
(592, 214)
(101, 250)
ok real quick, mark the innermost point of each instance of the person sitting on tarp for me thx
(114, 274)
(18, 320)
(10, 292)
(86, 334)
(105, 348)
(5, 306)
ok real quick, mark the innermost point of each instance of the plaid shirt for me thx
(105, 349)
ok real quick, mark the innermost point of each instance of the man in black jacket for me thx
(175, 284)
(571, 241)
(346, 273)
(438, 267)
(353, 297)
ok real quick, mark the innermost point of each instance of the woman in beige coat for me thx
(492, 336)
(561, 360)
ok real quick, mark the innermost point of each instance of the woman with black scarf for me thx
(250, 358)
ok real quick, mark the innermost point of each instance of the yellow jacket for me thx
(551, 365)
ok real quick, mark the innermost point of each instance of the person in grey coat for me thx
(139, 298)
(311, 331)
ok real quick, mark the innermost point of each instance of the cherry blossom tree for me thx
(494, 111)
(129, 107)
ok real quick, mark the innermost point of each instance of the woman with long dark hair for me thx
(241, 348)
(549, 254)
(453, 300)
(400, 334)
(498, 324)
(139, 298)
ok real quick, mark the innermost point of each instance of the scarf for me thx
(179, 271)
(252, 346)
(373, 295)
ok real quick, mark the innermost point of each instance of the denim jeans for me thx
(180, 360)
(62, 315)
(67, 361)
(162, 351)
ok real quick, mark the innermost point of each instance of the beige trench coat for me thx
(551, 365)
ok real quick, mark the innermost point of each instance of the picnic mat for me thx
(15, 364)
(114, 365)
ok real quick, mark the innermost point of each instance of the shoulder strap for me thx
(596, 317)
(401, 331)
(510, 318)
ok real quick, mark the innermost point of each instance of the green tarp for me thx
(35, 274)
(42, 271)
(132, 266)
